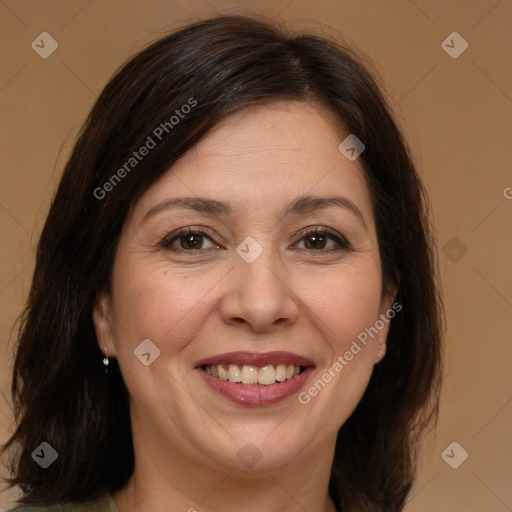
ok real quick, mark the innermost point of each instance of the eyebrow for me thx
(302, 205)
(309, 204)
(198, 204)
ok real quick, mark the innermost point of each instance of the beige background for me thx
(456, 113)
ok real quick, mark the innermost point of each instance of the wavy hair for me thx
(226, 63)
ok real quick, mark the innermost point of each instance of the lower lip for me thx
(256, 395)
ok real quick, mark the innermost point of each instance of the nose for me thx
(259, 297)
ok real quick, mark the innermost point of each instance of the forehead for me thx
(264, 153)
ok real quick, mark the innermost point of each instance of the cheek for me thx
(345, 303)
(160, 305)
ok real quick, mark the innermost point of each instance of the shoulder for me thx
(103, 504)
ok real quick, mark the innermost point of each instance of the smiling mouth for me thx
(256, 379)
(251, 375)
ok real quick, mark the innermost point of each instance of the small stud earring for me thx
(105, 359)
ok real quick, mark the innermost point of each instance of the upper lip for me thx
(256, 359)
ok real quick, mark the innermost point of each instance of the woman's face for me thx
(255, 257)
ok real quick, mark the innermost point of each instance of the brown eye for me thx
(315, 241)
(191, 241)
(322, 241)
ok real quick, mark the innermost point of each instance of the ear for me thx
(389, 308)
(103, 322)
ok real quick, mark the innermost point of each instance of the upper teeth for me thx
(252, 374)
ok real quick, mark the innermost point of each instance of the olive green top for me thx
(105, 503)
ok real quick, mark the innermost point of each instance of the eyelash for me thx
(342, 242)
(166, 243)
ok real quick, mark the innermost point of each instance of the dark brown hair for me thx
(223, 64)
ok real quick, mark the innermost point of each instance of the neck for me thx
(162, 480)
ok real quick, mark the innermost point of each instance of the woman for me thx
(234, 301)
